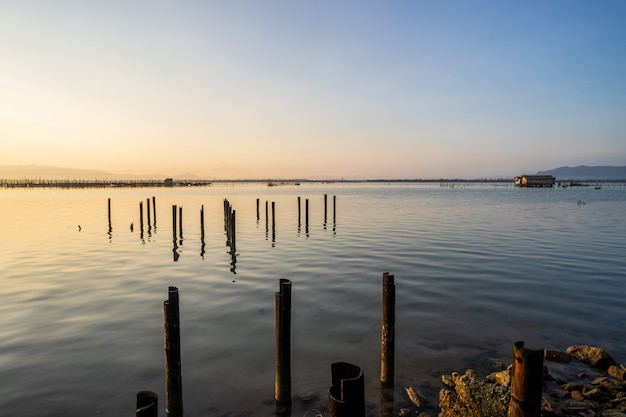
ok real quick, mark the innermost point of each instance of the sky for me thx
(313, 89)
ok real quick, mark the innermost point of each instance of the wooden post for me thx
(346, 396)
(282, 386)
(180, 223)
(174, 210)
(173, 377)
(109, 213)
(527, 382)
(387, 354)
(233, 237)
(325, 207)
(306, 211)
(154, 209)
(147, 404)
(334, 207)
(266, 213)
(257, 209)
(141, 216)
(298, 210)
(148, 212)
(202, 223)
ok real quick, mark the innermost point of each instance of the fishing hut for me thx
(535, 181)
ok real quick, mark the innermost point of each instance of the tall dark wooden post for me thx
(387, 355)
(306, 211)
(527, 382)
(257, 209)
(299, 216)
(334, 207)
(141, 216)
(173, 375)
(282, 386)
(147, 404)
(180, 223)
(148, 213)
(109, 205)
(154, 209)
(346, 396)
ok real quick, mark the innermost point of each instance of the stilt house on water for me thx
(535, 181)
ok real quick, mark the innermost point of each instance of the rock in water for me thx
(474, 398)
(594, 356)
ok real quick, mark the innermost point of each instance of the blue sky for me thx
(313, 89)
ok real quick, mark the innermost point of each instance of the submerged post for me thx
(387, 351)
(109, 204)
(527, 382)
(334, 207)
(282, 386)
(174, 210)
(306, 211)
(148, 213)
(346, 396)
(147, 404)
(173, 377)
(257, 209)
(325, 206)
(298, 210)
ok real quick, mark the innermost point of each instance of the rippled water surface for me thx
(477, 267)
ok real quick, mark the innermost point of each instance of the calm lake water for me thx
(477, 267)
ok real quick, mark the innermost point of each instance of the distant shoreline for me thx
(103, 183)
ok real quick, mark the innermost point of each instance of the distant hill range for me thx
(583, 172)
(56, 173)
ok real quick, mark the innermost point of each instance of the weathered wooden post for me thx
(527, 382)
(173, 376)
(180, 223)
(141, 216)
(325, 207)
(298, 210)
(154, 209)
(387, 354)
(202, 223)
(334, 207)
(233, 232)
(257, 209)
(266, 212)
(147, 404)
(306, 211)
(148, 213)
(109, 204)
(282, 386)
(174, 211)
(346, 396)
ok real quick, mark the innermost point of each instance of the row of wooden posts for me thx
(346, 395)
(229, 216)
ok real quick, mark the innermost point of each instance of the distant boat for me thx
(597, 186)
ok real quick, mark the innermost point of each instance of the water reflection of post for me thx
(175, 249)
(282, 382)
(202, 252)
(173, 376)
(387, 355)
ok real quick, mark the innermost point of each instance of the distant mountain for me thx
(57, 173)
(583, 172)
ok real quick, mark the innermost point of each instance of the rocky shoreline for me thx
(583, 381)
